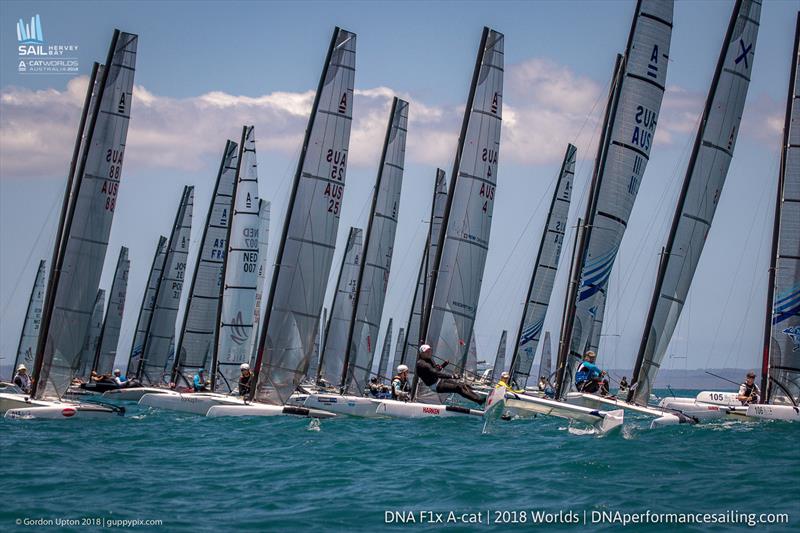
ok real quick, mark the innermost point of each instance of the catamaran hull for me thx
(134, 394)
(343, 405)
(10, 400)
(193, 403)
(398, 409)
(523, 405)
(60, 411)
(261, 409)
(704, 412)
(774, 412)
(593, 401)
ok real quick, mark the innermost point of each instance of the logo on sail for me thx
(530, 332)
(30, 33)
(239, 332)
(794, 334)
(596, 273)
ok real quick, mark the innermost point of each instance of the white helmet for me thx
(117, 371)
(505, 375)
(401, 369)
(424, 348)
(244, 366)
(21, 367)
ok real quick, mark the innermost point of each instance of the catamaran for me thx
(305, 250)
(82, 236)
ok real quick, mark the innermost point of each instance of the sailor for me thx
(244, 380)
(442, 382)
(377, 389)
(542, 383)
(505, 381)
(119, 379)
(401, 388)
(623, 384)
(748, 391)
(22, 379)
(589, 378)
(199, 381)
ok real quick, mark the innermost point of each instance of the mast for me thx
(705, 178)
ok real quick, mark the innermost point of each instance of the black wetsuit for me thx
(444, 382)
(244, 385)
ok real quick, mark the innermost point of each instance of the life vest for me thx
(404, 387)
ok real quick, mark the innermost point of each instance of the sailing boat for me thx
(500, 358)
(109, 336)
(82, 234)
(263, 242)
(383, 364)
(398, 354)
(305, 250)
(29, 336)
(448, 314)
(92, 337)
(373, 274)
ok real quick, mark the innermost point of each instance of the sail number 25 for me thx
(333, 190)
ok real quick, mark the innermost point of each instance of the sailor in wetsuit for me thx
(505, 381)
(748, 391)
(401, 388)
(442, 382)
(22, 379)
(244, 380)
(199, 381)
(589, 378)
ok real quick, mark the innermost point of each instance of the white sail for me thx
(313, 366)
(631, 119)
(91, 339)
(544, 273)
(471, 367)
(109, 337)
(546, 360)
(81, 248)
(198, 333)
(334, 346)
(383, 364)
(263, 244)
(241, 271)
(161, 329)
(378, 250)
(784, 326)
(29, 337)
(458, 270)
(399, 347)
(146, 309)
(500, 360)
(305, 253)
(705, 177)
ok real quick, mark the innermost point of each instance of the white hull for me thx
(524, 405)
(702, 411)
(343, 405)
(47, 410)
(197, 403)
(593, 401)
(767, 411)
(398, 409)
(262, 409)
(134, 394)
(11, 400)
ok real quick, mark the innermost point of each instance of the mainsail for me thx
(161, 328)
(334, 345)
(305, 251)
(471, 367)
(33, 317)
(146, 309)
(546, 360)
(500, 360)
(240, 271)
(399, 346)
(623, 153)
(383, 364)
(702, 186)
(197, 335)
(91, 339)
(109, 337)
(319, 340)
(263, 243)
(544, 274)
(85, 225)
(378, 249)
(459, 262)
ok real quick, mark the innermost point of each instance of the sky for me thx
(204, 69)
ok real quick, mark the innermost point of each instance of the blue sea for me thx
(290, 474)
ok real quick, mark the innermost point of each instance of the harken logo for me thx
(30, 33)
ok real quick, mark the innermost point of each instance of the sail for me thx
(705, 177)
(109, 337)
(334, 346)
(313, 366)
(241, 271)
(161, 329)
(500, 360)
(146, 309)
(544, 273)
(383, 364)
(306, 248)
(92, 337)
(33, 317)
(546, 360)
(81, 244)
(459, 264)
(413, 333)
(378, 249)
(471, 367)
(784, 326)
(631, 119)
(196, 339)
(399, 346)
(263, 243)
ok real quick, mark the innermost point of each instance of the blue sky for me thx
(204, 71)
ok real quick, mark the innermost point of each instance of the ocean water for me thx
(291, 474)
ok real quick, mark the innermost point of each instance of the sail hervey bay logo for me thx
(30, 33)
(34, 57)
